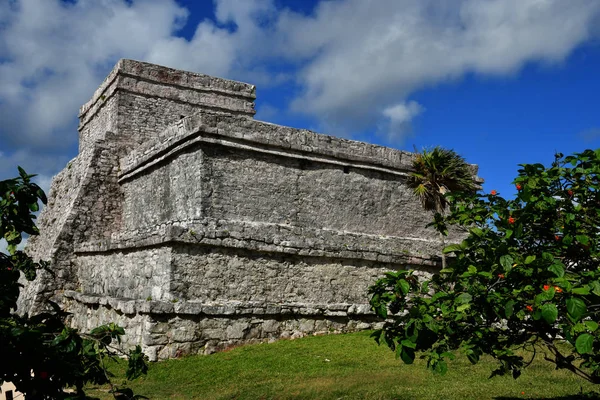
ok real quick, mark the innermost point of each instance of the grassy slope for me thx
(348, 366)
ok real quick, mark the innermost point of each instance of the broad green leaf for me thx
(584, 343)
(506, 261)
(583, 239)
(452, 248)
(463, 307)
(591, 325)
(576, 308)
(477, 232)
(547, 256)
(595, 286)
(464, 298)
(567, 240)
(581, 291)
(472, 356)
(485, 274)
(549, 313)
(509, 308)
(508, 233)
(529, 259)
(407, 355)
(546, 295)
(557, 269)
(381, 310)
(404, 286)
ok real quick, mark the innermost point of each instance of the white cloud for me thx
(400, 116)
(55, 54)
(367, 55)
(590, 135)
(403, 112)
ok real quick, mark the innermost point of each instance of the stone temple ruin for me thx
(196, 227)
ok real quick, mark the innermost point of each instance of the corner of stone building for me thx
(134, 105)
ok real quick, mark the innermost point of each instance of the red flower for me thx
(546, 287)
(511, 220)
(557, 289)
(501, 276)
(556, 237)
(493, 192)
(529, 308)
(43, 375)
(519, 187)
(9, 268)
(570, 192)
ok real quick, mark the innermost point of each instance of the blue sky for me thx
(502, 82)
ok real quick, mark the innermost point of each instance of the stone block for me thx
(237, 330)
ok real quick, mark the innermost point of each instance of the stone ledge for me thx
(275, 238)
(211, 102)
(229, 308)
(177, 78)
(249, 134)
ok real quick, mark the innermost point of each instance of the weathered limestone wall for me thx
(139, 274)
(197, 228)
(274, 189)
(168, 329)
(84, 203)
(213, 274)
(62, 195)
(176, 193)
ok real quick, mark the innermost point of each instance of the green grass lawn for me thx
(349, 366)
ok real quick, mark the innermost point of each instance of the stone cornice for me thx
(162, 82)
(274, 238)
(216, 309)
(248, 134)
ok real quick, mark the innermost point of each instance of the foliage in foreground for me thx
(526, 277)
(41, 355)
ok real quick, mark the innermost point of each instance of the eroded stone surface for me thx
(197, 228)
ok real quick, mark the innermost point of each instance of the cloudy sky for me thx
(502, 82)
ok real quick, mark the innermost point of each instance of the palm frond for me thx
(436, 172)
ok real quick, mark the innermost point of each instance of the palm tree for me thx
(437, 172)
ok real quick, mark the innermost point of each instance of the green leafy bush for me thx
(525, 278)
(41, 355)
